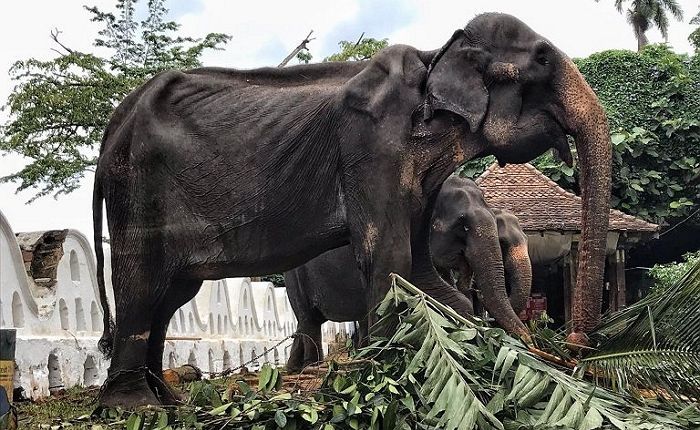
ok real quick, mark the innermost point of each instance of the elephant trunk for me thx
(444, 293)
(490, 280)
(518, 272)
(585, 118)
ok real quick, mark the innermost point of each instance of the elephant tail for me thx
(106, 341)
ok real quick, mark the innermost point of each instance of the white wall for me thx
(228, 323)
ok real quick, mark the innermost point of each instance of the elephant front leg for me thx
(382, 246)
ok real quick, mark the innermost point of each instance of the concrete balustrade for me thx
(58, 316)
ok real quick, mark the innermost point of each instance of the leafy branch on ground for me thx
(437, 370)
(654, 344)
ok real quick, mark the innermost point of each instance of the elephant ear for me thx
(455, 81)
(390, 83)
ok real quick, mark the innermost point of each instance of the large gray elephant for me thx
(213, 173)
(481, 244)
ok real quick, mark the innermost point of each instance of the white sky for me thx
(265, 31)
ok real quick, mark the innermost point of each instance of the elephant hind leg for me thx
(295, 362)
(136, 292)
(180, 292)
(307, 347)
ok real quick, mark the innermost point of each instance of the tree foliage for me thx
(363, 49)
(651, 99)
(59, 108)
(694, 37)
(666, 275)
(643, 14)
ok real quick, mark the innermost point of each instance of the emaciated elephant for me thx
(213, 173)
(467, 236)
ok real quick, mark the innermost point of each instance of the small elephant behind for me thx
(516, 264)
(485, 246)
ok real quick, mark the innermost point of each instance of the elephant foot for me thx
(128, 389)
(305, 352)
(296, 356)
(167, 394)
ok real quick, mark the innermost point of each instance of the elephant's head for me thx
(520, 96)
(465, 237)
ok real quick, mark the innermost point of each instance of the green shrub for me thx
(665, 275)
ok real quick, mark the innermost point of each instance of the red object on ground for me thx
(536, 306)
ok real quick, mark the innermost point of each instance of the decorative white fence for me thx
(59, 319)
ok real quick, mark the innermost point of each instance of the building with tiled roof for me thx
(551, 217)
(541, 204)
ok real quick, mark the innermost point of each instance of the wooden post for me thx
(611, 263)
(8, 339)
(617, 298)
(620, 276)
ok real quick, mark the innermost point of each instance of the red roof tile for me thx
(540, 204)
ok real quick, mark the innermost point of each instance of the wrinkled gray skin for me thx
(212, 173)
(516, 258)
(467, 236)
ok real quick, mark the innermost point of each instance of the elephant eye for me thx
(541, 59)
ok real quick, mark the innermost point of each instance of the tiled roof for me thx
(542, 205)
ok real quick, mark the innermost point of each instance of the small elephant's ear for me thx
(455, 81)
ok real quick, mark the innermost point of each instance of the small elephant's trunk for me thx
(518, 271)
(490, 280)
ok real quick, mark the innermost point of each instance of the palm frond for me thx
(642, 13)
(661, 21)
(673, 7)
(655, 343)
(467, 375)
(618, 5)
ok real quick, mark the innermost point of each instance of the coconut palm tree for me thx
(643, 14)
(694, 37)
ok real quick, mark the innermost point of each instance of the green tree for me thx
(363, 49)
(694, 37)
(651, 99)
(59, 108)
(665, 275)
(643, 14)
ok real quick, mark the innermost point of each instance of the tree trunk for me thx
(641, 36)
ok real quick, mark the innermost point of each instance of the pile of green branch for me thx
(654, 345)
(436, 370)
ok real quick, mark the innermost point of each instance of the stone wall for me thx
(58, 316)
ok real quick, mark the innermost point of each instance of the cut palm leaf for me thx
(654, 344)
